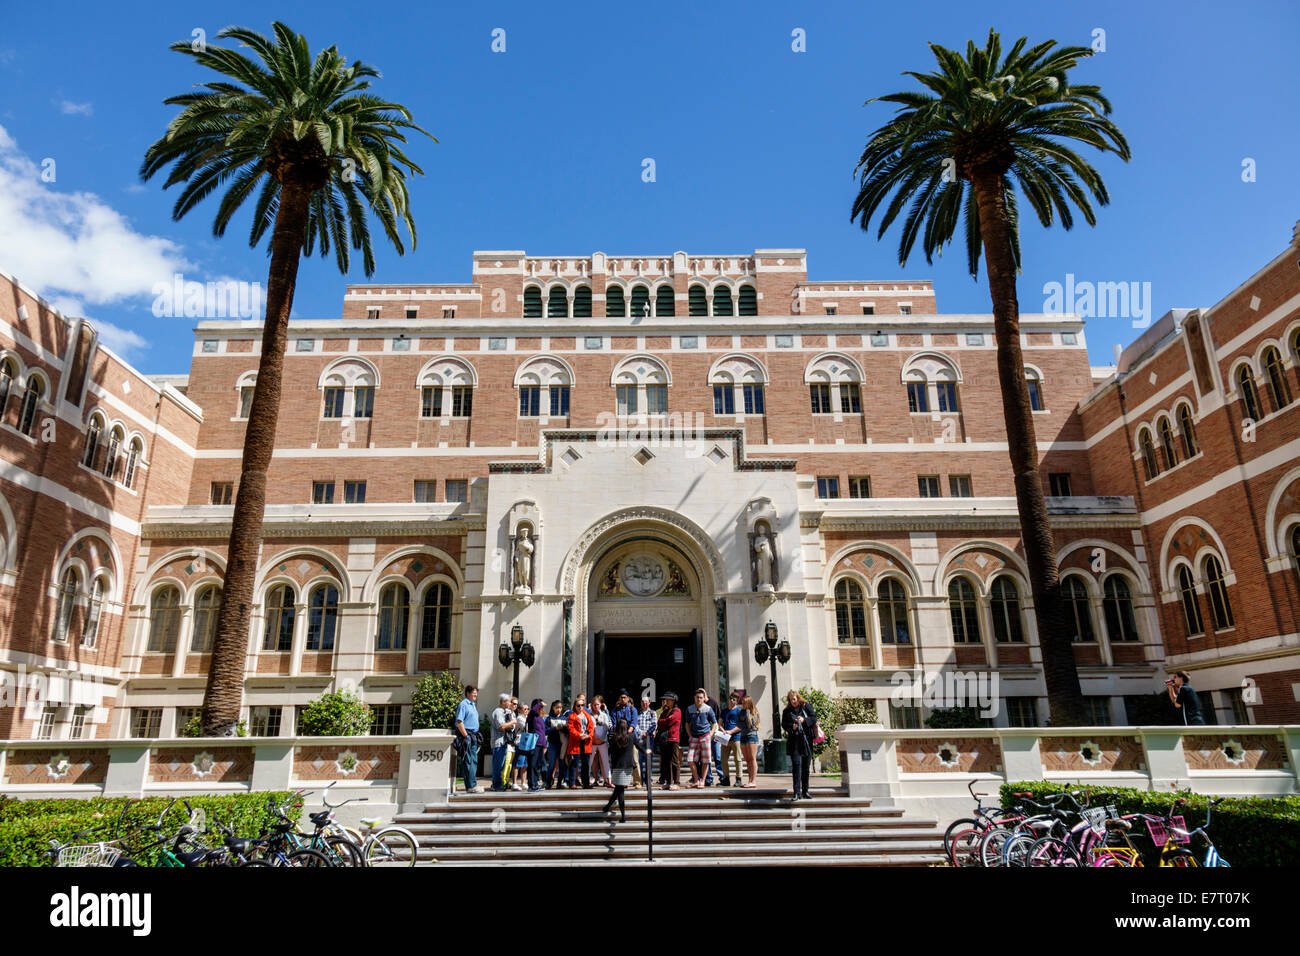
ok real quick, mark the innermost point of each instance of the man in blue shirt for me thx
(647, 722)
(467, 730)
(702, 720)
(730, 749)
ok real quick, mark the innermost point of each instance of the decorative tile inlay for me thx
(1247, 752)
(65, 766)
(956, 755)
(1062, 754)
(303, 567)
(191, 764)
(355, 762)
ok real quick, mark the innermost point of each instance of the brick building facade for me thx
(642, 462)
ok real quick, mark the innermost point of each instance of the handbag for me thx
(527, 742)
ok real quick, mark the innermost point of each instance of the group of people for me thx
(536, 747)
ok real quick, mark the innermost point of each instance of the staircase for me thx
(691, 828)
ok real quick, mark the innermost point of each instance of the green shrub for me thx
(28, 826)
(194, 726)
(341, 713)
(434, 703)
(946, 718)
(1248, 831)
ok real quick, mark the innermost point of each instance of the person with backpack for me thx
(799, 722)
(523, 755)
(622, 759)
(668, 743)
(468, 739)
(582, 731)
(702, 721)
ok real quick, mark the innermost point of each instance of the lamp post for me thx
(514, 652)
(770, 649)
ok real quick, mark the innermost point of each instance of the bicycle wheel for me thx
(1015, 850)
(1049, 851)
(252, 863)
(965, 823)
(392, 847)
(990, 850)
(1183, 858)
(307, 857)
(964, 848)
(344, 852)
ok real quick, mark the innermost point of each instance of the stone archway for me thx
(626, 532)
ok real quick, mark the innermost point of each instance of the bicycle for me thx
(100, 855)
(1171, 835)
(961, 841)
(338, 850)
(1008, 847)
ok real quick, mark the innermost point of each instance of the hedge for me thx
(27, 826)
(1248, 831)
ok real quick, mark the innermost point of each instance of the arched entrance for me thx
(644, 610)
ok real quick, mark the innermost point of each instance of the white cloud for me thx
(121, 341)
(73, 247)
(69, 108)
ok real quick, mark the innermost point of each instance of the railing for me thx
(404, 771)
(928, 770)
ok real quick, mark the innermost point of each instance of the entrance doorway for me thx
(656, 664)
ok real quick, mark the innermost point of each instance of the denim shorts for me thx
(750, 737)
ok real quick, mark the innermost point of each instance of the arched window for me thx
(67, 604)
(7, 373)
(1121, 625)
(697, 300)
(722, 301)
(748, 300)
(557, 303)
(964, 612)
(1077, 610)
(532, 302)
(1191, 610)
(110, 456)
(850, 612)
(1220, 606)
(206, 607)
(1295, 547)
(94, 610)
(1188, 429)
(1035, 386)
(665, 301)
(280, 613)
(640, 301)
(1150, 466)
(1249, 395)
(1005, 604)
(1278, 389)
(1167, 445)
(435, 619)
(615, 303)
(132, 459)
(164, 620)
(891, 606)
(394, 612)
(31, 401)
(582, 302)
(92, 442)
(322, 617)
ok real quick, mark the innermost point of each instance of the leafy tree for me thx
(435, 700)
(321, 154)
(953, 155)
(341, 713)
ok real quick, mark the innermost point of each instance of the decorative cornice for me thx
(544, 464)
(167, 530)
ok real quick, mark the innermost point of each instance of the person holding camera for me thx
(503, 725)
(1184, 699)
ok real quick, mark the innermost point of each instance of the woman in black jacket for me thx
(622, 757)
(799, 722)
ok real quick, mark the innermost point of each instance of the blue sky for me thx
(541, 147)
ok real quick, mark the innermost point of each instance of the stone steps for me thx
(691, 828)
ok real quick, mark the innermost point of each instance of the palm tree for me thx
(323, 151)
(992, 122)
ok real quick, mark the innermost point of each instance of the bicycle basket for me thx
(1096, 817)
(1160, 836)
(94, 854)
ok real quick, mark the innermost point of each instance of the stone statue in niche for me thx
(763, 561)
(524, 548)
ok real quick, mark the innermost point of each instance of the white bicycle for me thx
(380, 845)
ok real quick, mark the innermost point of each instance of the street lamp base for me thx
(775, 759)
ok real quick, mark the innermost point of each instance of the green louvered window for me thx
(699, 301)
(640, 300)
(532, 302)
(748, 300)
(582, 302)
(722, 301)
(665, 301)
(615, 304)
(557, 303)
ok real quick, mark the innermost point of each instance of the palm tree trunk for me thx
(1064, 696)
(224, 693)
